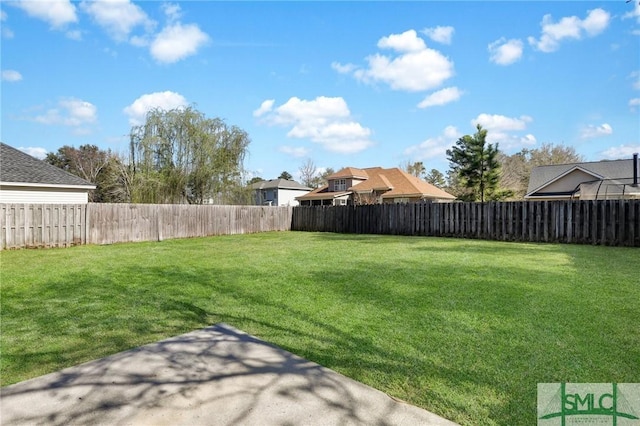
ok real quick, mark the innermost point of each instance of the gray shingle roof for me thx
(16, 166)
(279, 183)
(616, 169)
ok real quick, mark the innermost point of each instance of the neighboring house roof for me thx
(351, 172)
(20, 169)
(280, 184)
(399, 183)
(543, 176)
(323, 193)
(395, 182)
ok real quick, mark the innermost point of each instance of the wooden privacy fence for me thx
(42, 225)
(115, 223)
(63, 225)
(607, 222)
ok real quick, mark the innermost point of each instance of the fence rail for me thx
(63, 225)
(608, 222)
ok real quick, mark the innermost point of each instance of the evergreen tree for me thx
(476, 163)
(436, 178)
(285, 175)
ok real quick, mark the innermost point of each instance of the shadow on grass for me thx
(468, 345)
(214, 376)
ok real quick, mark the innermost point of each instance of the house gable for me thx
(567, 183)
(278, 192)
(585, 180)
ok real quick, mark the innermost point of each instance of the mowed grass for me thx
(463, 328)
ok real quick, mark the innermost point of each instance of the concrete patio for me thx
(215, 376)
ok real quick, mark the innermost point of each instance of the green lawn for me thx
(463, 328)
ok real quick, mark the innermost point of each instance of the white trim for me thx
(551, 196)
(46, 185)
(560, 176)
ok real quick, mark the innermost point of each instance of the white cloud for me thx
(57, 13)
(592, 131)
(176, 42)
(70, 112)
(505, 52)
(622, 151)
(265, 107)
(343, 69)
(74, 35)
(414, 68)
(167, 100)
(435, 147)
(140, 40)
(324, 120)
(504, 130)
(571, 27)
(34, 151)
(297, 151)
(439, 34)
(441, 97)
(117, 17)
(634, 102)
(502, 123)
(11, 76)
(408, 41)
(596, 22)
(6, 32)
(172, 11)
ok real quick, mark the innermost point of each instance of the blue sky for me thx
(341, 83)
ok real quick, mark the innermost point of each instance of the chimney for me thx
(635, 169)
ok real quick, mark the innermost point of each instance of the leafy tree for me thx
(97, 166)
(435, 177)
(323, 178)
(455, 187)
(285, 175)
(476, 164)
(255, 180)
(181, 156)
(85, 162)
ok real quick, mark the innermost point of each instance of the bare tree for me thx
(92, 164)
(365, 198)
(416, 169)
(516, 169)
(309, 174)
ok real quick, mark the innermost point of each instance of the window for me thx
(340, 185)
(341, 202)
